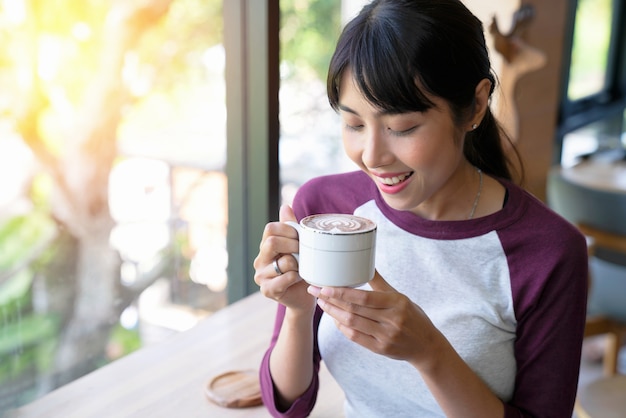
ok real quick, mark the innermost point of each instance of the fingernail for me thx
(315, 291)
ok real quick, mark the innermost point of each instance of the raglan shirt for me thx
(508, 291)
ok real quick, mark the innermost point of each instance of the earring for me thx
(474, 126)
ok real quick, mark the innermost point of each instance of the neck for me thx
(477, 198)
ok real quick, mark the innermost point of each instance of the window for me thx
(594, 94)
(113, 218)
(590, 49)
(310, 141)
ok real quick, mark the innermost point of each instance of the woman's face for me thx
(416, 159)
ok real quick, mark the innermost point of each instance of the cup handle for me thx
(295, 226)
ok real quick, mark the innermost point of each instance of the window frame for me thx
(611, 100)
(251, 39)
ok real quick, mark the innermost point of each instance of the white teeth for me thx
(390, 181)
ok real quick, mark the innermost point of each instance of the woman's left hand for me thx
(382, 320)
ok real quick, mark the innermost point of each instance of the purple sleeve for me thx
(550, 297)
(304, 404)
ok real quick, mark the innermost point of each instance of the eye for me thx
(354, 128)
(403, 124)
(403, 132)
(352, 123)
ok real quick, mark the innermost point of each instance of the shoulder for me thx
(545, 252)
(539, 238)
(540, 222)
(339, 193)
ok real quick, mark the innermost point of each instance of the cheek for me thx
(352, 148)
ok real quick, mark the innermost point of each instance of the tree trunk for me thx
(83, 343)
(80, 198)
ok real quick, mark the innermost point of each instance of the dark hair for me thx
(396, 48)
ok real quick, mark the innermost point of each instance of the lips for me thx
(393, 183)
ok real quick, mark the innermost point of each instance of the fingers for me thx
(358, 323)
(345, 297)
(284, 263)
(275, 287)
(278, 229)
(352, 318)
(276, 277)
(357, 308)
(350, 299)
(276, 269)
(376, 320)
(286, 214)
(278, 239)
(379, 284)
(380, 298)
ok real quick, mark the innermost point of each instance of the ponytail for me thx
(484, 147)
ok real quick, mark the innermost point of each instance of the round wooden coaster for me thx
(235, 389)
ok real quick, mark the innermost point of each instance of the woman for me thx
(477, 308)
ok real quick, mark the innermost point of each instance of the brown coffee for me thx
(337, 223)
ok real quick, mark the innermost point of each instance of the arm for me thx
(551, 320)
(299, 404)
(288, 370)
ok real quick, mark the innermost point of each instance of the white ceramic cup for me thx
(336, 249)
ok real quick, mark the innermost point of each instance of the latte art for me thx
(338, 223)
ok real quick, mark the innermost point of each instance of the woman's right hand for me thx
(279, 242)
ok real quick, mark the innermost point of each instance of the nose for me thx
(376, 152)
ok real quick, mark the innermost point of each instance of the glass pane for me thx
(592, 34)
(604, 138)
(310, 142)
(113, 221)
(623, 131)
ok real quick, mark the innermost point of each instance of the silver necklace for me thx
(480, 188)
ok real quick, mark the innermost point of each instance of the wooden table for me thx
(598, 174)
(168, 379)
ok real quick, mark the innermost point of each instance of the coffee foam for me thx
(338, 223)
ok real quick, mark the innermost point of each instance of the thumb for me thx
(286, 214)
(379, 284)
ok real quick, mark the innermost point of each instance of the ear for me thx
(483, 89)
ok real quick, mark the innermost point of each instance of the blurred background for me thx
(113, 190)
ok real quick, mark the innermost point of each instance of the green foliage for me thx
(27, 340)
(27, 332)
(177, 44)
(22, 237)
(27, 344)
(63, 41)
(15, 293)
(309, 32)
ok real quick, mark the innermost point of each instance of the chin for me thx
(398, 204)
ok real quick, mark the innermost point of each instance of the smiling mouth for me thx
(392, 181)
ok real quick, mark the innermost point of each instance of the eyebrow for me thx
(382, 112)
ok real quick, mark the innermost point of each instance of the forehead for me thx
(351, 96)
